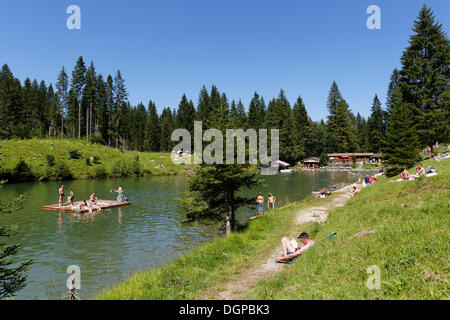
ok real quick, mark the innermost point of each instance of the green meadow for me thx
(56, 159)
(400, 227)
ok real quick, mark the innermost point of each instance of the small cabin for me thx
(311, 163)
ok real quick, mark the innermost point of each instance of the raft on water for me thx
(103, 204)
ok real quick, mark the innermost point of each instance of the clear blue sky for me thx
(167, 48)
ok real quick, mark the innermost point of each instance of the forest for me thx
(87, 105)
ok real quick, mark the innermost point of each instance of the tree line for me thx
(96, 108)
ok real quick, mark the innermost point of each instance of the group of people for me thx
(369, 180)
(270, 203)
(420, 171)
(91, 204)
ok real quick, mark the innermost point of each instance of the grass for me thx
(209, 265)
(37, 154)
(410, 246)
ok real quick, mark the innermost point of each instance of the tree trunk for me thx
(62, 126)
(87, 124)
(79, 119)
(227, 225)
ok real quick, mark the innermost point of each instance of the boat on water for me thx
(103, 204)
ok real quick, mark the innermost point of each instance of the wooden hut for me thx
(311, 163)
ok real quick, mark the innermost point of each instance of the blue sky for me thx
(167, 48)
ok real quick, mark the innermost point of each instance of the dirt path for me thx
(266, 266)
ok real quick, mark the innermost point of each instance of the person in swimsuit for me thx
(420, 171)
(61, 195)
(289, 246)
(260, 201)
(405, 174)
(120, 195)
(271, 201)
(70, 197)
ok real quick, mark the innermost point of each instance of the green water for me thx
(118, 242)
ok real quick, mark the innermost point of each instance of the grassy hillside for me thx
(410, 245)
(102, 161)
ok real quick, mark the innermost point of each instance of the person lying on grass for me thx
(354, 191)
(291, 248)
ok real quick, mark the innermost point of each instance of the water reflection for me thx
(110, 246)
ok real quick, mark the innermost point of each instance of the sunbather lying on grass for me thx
(291, 248)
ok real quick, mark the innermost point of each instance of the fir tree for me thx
(300, 123)
(62, 87)
(376, 126)
(401, 146)
(12, 273)
(425, 76)
(78, 83)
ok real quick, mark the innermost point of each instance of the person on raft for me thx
(61, 195)
(291, 249)
(70, 197)
(120, 195)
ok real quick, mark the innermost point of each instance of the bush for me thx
(50, 160)
(97, 138)
(22, 172)
(100, 172)
(74, 154)
(88, 162)
(59, 172)
(135, 166)
(96, 160)
(120, 168)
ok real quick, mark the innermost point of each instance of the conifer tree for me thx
(425, 78)
(300, 123)
(62, 87)
(376, 126)
(78, 83)
(401, 146)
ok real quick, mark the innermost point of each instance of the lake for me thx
(111, 246)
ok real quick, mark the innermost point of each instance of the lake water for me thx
(118, 242)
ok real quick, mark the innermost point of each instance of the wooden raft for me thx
(104, 204)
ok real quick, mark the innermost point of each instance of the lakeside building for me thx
(311, 163)
(344, 158)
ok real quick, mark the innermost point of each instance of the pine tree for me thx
(256, 112)
(340, 123)
(12, 273)
(119, 106)
(424, 78)
(62, 87)
(279, 117)
(78, 83)
(186, 115)
(401, 146)
(376, 126)
(90, 96)
(153, 129)
(300, 123)
(215, 192)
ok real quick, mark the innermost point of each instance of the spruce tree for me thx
(62, 87)
(78, 83)
(425, 78)
(376, 126)
(13, 275)
(401, 146)
(300, 123)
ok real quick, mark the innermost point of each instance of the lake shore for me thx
(378, 227)
(72, 159)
